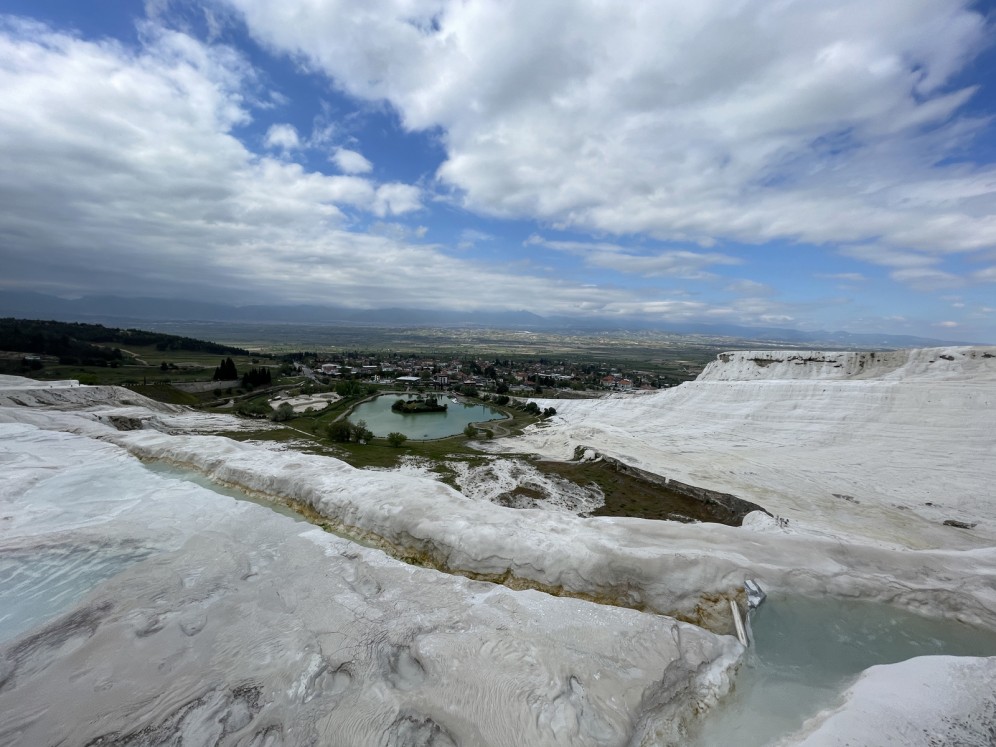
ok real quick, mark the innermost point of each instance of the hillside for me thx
(93, 343)
(885, 447)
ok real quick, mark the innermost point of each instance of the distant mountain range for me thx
(130, 312)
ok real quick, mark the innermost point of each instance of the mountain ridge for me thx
(122, 311)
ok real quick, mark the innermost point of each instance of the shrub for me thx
(532, 408)
(470, 431)
(501, 399)
(396, 439)
(340, 431)
(549, 412)
(284, 412)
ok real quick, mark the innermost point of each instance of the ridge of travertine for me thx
(961, 363)
(847, 461)
(880, 450)
(148, 610)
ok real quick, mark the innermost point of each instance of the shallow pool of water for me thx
(381, 419)
(180, 473)
(806, 652)
(37, 584)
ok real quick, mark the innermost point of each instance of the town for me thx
(556, 378)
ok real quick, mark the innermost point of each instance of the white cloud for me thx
(396, 199)
(847, 277)
(926, 278)
(750, 288)
(666, 263)
(122, 175)
(351, 162)
(918, 271)
(812, 122)
(282, 137)
(470, 237)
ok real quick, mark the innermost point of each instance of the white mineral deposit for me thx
(140, 607)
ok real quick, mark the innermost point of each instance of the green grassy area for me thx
(141, 369)
(189, 358)
(165, 393)
(627, 495)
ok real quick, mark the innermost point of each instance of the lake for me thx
(424, 425)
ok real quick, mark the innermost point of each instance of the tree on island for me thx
(429, 404)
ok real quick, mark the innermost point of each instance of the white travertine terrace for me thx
(865, 455)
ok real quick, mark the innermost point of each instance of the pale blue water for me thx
(424, 425)
(187, 475)
(37, 584)
(807, 651)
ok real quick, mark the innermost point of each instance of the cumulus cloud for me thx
(350, 162)
(812, 122)
(283, 137)
(122, 174)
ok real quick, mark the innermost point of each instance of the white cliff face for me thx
(931, 700)
(881, 449)
(924, 364)
(220, 622)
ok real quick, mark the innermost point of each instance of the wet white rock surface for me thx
(849, 457)
(518, 484)
(878, 447)
(230, 624)
(922, 702)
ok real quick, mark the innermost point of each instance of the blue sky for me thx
(811, 165)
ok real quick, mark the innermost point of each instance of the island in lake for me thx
(428, 404)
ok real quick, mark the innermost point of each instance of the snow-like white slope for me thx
(922, 702)
(216, 622)
(879, 447)
(684, 570)
(923, 364)
(658, 566)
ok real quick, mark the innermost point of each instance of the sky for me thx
(809, 164)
